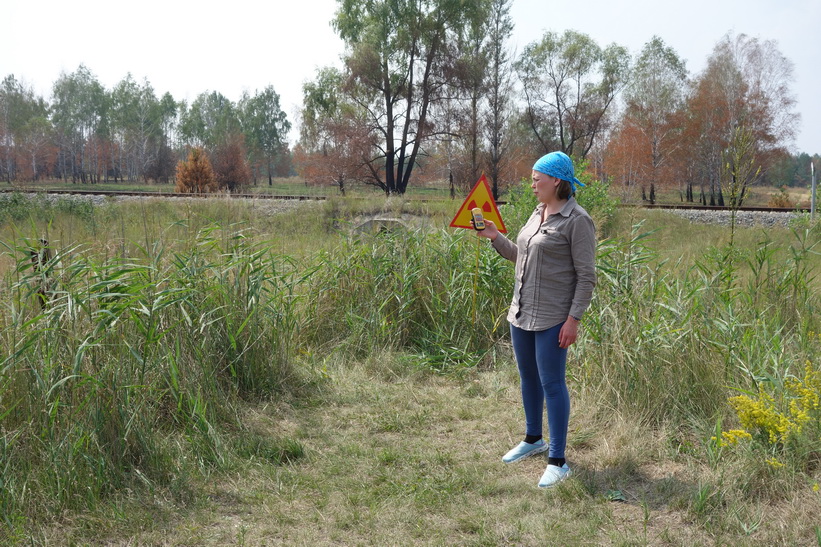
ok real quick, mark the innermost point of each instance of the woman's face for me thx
(544, 186)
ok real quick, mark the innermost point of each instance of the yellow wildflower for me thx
(784, 416)
(732, 437)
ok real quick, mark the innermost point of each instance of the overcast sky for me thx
(187, 47)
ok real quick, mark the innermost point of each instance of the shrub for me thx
(195, 176)
(17, 207)
(230, 166)
(781, 199)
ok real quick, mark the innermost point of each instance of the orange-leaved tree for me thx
(335, 139)
(230, 166)
(195, 175)
(655, 100)
(624, 157)
(742, 114)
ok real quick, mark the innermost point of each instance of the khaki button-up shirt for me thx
(555, 267)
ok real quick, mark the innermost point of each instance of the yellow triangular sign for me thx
(482, 198)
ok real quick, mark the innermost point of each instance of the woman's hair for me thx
(564, 190)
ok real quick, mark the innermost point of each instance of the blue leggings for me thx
(542, 371)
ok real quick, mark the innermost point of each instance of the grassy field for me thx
(220, 373)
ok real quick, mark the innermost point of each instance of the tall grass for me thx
(669, 347)
(161, 322)
(417, 291)
(161, 319)
(131, 374)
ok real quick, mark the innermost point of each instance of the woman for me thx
(555, 275)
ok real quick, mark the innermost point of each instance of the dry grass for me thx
(409, 458)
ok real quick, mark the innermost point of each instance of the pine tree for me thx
(195, 175)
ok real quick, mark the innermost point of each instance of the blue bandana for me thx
(559, 165)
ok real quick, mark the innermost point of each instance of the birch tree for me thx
(655, 99)
(265, 127)
(569, 85)
(499, 91)
(79, 108)
(741, 106)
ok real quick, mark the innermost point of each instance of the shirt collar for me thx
(566, 209)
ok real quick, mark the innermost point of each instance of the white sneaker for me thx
(553, 475)
(524, 450)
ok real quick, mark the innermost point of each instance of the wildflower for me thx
(760, 415)
(786, 418)
(733, 437)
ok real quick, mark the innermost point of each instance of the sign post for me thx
(812, 199)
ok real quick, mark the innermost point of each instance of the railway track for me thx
(124, 193)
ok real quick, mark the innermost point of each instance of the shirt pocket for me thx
(552, 243)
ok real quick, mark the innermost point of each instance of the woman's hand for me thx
(491, 231)
(568, 333)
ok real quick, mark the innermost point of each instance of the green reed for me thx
(419, 291)
(128, 352)
(668, 347)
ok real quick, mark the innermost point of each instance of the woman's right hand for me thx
(491, 231)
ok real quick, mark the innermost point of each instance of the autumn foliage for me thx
(195, 176)
(337, 160)
(231, 169)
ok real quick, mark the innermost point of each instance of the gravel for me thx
(265, 206)
(274, 206)
(743, 218)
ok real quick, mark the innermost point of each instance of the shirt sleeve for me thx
(583, 251)
(505, 247)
